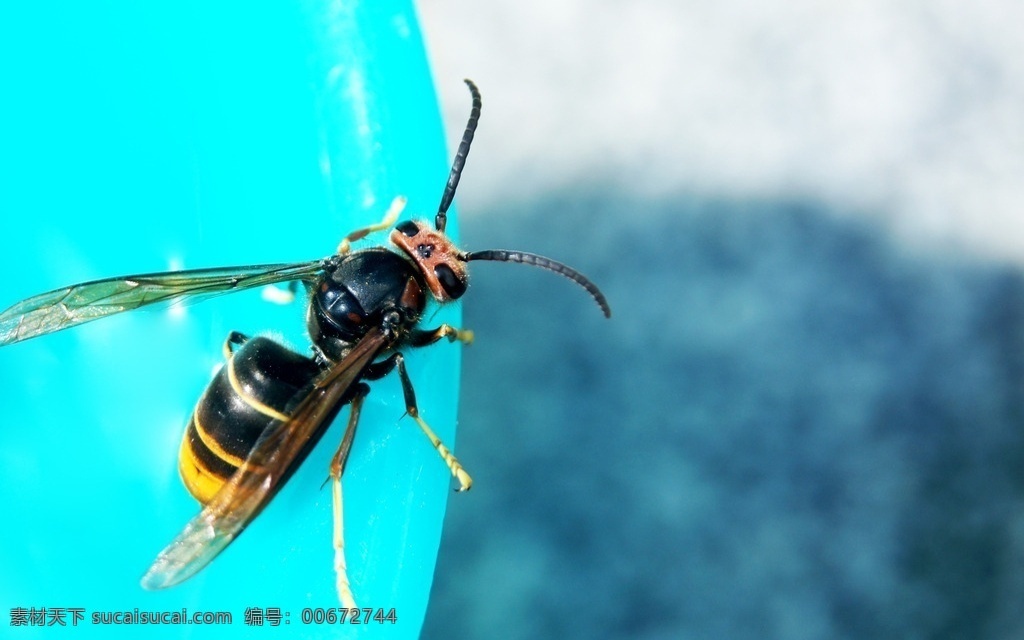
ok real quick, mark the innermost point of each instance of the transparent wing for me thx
(254, 483)
(71, 306)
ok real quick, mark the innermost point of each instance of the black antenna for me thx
(550, 265)
(460, 159)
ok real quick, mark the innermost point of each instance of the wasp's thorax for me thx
(442, 264)
(358, 293)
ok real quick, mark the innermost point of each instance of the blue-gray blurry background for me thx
(805, 418)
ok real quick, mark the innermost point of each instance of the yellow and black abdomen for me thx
(254, 388)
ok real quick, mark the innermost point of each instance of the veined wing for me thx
(254, 483)
(71, 306)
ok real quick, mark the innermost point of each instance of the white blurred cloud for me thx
(908, 110)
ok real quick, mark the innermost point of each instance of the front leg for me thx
(389, 220)
(424, 337)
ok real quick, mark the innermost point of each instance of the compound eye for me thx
(451, 283)
(409, 228)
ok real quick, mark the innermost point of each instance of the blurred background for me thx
(804, 419)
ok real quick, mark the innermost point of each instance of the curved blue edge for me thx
(182, 135)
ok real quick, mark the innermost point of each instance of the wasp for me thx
(268, 406)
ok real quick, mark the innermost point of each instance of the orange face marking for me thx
(430, 248)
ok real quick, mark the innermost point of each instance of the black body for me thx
(355, 293)
(263, 381)
(255, 386)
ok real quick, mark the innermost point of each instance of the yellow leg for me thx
(389, 221)
(420, 338)
(340, 568)
(465, 482)
(234, 339)
(465, 336)
(279, 295)
(337, 468)
(460, 474)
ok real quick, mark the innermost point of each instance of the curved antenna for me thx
(460, 159)
(550, 265)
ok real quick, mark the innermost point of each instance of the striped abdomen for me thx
(252, 390)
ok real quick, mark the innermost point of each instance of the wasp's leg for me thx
(234, 339)
(337, 469)
(279, 295)
(465, 482)
(378, 370)
(421, 338)
(390, 217)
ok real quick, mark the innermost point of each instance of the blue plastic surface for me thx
(145, 137)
